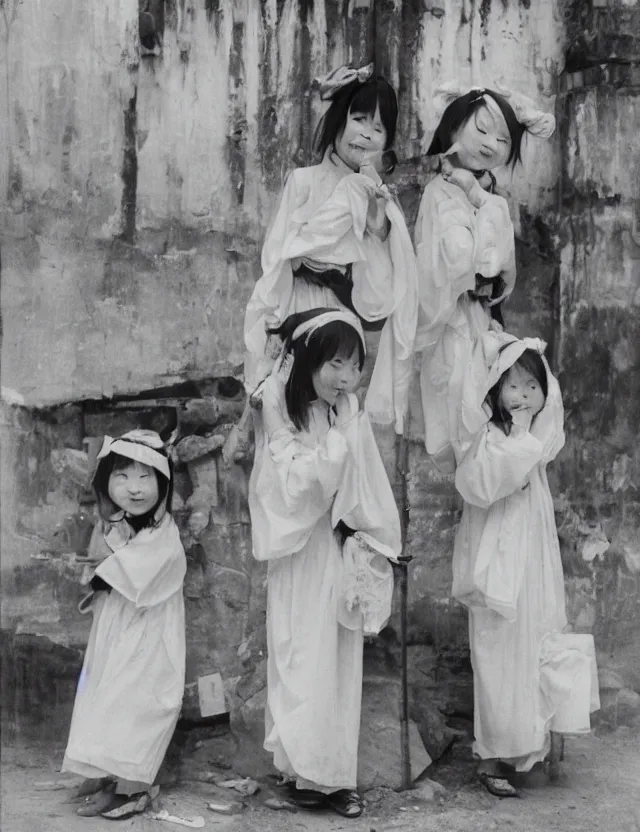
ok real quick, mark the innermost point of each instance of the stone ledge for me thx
(615, 74)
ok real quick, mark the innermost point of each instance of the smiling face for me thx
(521, 391)
(484, 140)
(363, 133)
(338, 375)
(134, 488)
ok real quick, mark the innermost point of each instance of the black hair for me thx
(116, 462)
(360, 98)
(461, 110)
(532, 362)
(335, 338)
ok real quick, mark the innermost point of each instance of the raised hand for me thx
(522, 417)
(463, 178)
(372, 166)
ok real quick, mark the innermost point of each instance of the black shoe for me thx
(307, 798)
(346, 803)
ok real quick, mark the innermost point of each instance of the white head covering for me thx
(502, 351)
(140, 446)
(534, 120)
(323, 318)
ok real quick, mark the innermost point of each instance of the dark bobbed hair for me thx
(335, 338)
(462, 109)
(360, 98)
(532, 362)
(116, 462)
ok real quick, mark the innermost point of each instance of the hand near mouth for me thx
(371, 165)
(522, 417)
(464, 179)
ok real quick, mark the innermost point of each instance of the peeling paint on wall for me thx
(139, 180)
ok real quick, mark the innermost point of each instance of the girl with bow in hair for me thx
(338, 239)
(131, 686)
(324, 517)
(465, 252)
(532, 680)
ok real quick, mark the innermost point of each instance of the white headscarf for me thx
(142, 446)
(502, 351)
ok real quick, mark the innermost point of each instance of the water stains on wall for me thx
(147, 143)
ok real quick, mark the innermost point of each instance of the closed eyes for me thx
(377, 127)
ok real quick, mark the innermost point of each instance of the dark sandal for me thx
(126, 806)
(496, 785)
(307, 798)
(346, 803)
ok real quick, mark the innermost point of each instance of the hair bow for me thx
(534, 120)
(341, 77)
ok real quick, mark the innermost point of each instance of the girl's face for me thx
(339, 375)
(362, 134)
(134, 488)
(483, 140)
(520, 391)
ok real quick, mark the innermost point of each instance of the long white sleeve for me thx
(496, 465)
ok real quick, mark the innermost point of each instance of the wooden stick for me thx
(402, 466)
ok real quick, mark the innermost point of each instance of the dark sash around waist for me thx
(497, 288)
(341, 285)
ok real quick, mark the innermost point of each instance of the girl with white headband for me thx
(131, 686)
(323, 515)
(465, 252)
(338, 239)
(532, 680)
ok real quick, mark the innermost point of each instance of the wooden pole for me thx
(402, 459)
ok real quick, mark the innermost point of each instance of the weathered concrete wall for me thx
(598, 339)
(137, 185)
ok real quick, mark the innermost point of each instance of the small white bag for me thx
(367, 584)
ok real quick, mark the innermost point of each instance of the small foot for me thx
(89, 787)
(126, 806)
(96, 804)
(346, 803)
(496, 785)
(307, 798)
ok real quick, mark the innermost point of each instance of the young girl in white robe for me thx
(339, 240)
(466, 254)
(318, 478)
(131, 686)
(531, 678)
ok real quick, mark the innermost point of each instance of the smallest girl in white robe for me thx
(324, 517)
(132, 682)
(532, 678)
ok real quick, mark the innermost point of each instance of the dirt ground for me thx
(599, 791)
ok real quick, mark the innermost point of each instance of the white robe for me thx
(454, 242)
(530, 677)
(322, 218)
(302, 484)
(132, 682)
